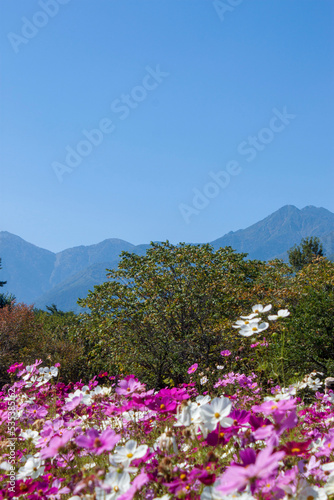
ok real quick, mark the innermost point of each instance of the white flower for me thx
(118, 482)
(245, 322)
(216, 413)
(129, 452)
(32, 468)
(328, 467)
(220, 367)
(202, 400)
(29, 434)
(7, 466)
(123, 467)
(310, 492)
(314, 384)
(249, 330)
(86, 396)
(183, 418)
(165, 497)
(282, 313)
(329, 486)
(29, 371)
(210, 493)
(165, 441)
(203, 380)
(250, 316)
(50, 372)
(259, 309)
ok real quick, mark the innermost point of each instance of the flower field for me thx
(117, 439)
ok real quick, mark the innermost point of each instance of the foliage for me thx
(163, 311)
(305, 253)
(26, 335)
(6, 299)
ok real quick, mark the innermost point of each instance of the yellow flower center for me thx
(217, 415)
(183, 476)
(295, 450)
(129, 455)
(162, 406)
(254, 329)
(116, 488)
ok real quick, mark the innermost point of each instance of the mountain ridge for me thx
(39, 276)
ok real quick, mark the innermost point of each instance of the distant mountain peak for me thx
(34, 273)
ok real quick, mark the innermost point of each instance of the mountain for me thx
(26, 267)
(277, 233)
(38, 276)
(32, 272)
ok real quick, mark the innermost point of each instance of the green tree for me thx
(6, 299)
(305, 253)
(174, 306)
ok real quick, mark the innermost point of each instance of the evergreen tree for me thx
(305, 253)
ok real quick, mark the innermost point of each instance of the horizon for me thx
(157, 241)
(168, 120)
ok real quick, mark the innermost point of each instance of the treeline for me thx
(158, 314)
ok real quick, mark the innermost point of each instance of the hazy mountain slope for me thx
(66, 294)
(39, 276)
(278, 232)
(25, 267)
(73, 260)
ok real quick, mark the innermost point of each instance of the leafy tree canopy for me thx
(305, 253)
(162, 312)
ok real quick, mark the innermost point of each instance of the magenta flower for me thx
(270, 407)
(193, 368)
(56, 445)
(37, 411)
(98, 443)
(127, 386)
(14, 367)
(254, 468)
(226, 353)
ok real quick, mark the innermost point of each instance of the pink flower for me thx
(98, 443)
(56, 445)
(254, 468)
(37, 411)
(193, 368)
(137, 483)
(14, 367)
(226, 353)
(127, 386)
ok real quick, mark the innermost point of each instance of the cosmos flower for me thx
(97, 443)
(129, 451)
(253, 328)
(282, 313)
(217, 413)
(32, 468)
(193, 368)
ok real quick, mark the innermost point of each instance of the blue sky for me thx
(210, 116)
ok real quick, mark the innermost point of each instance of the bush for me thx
(26, 336)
